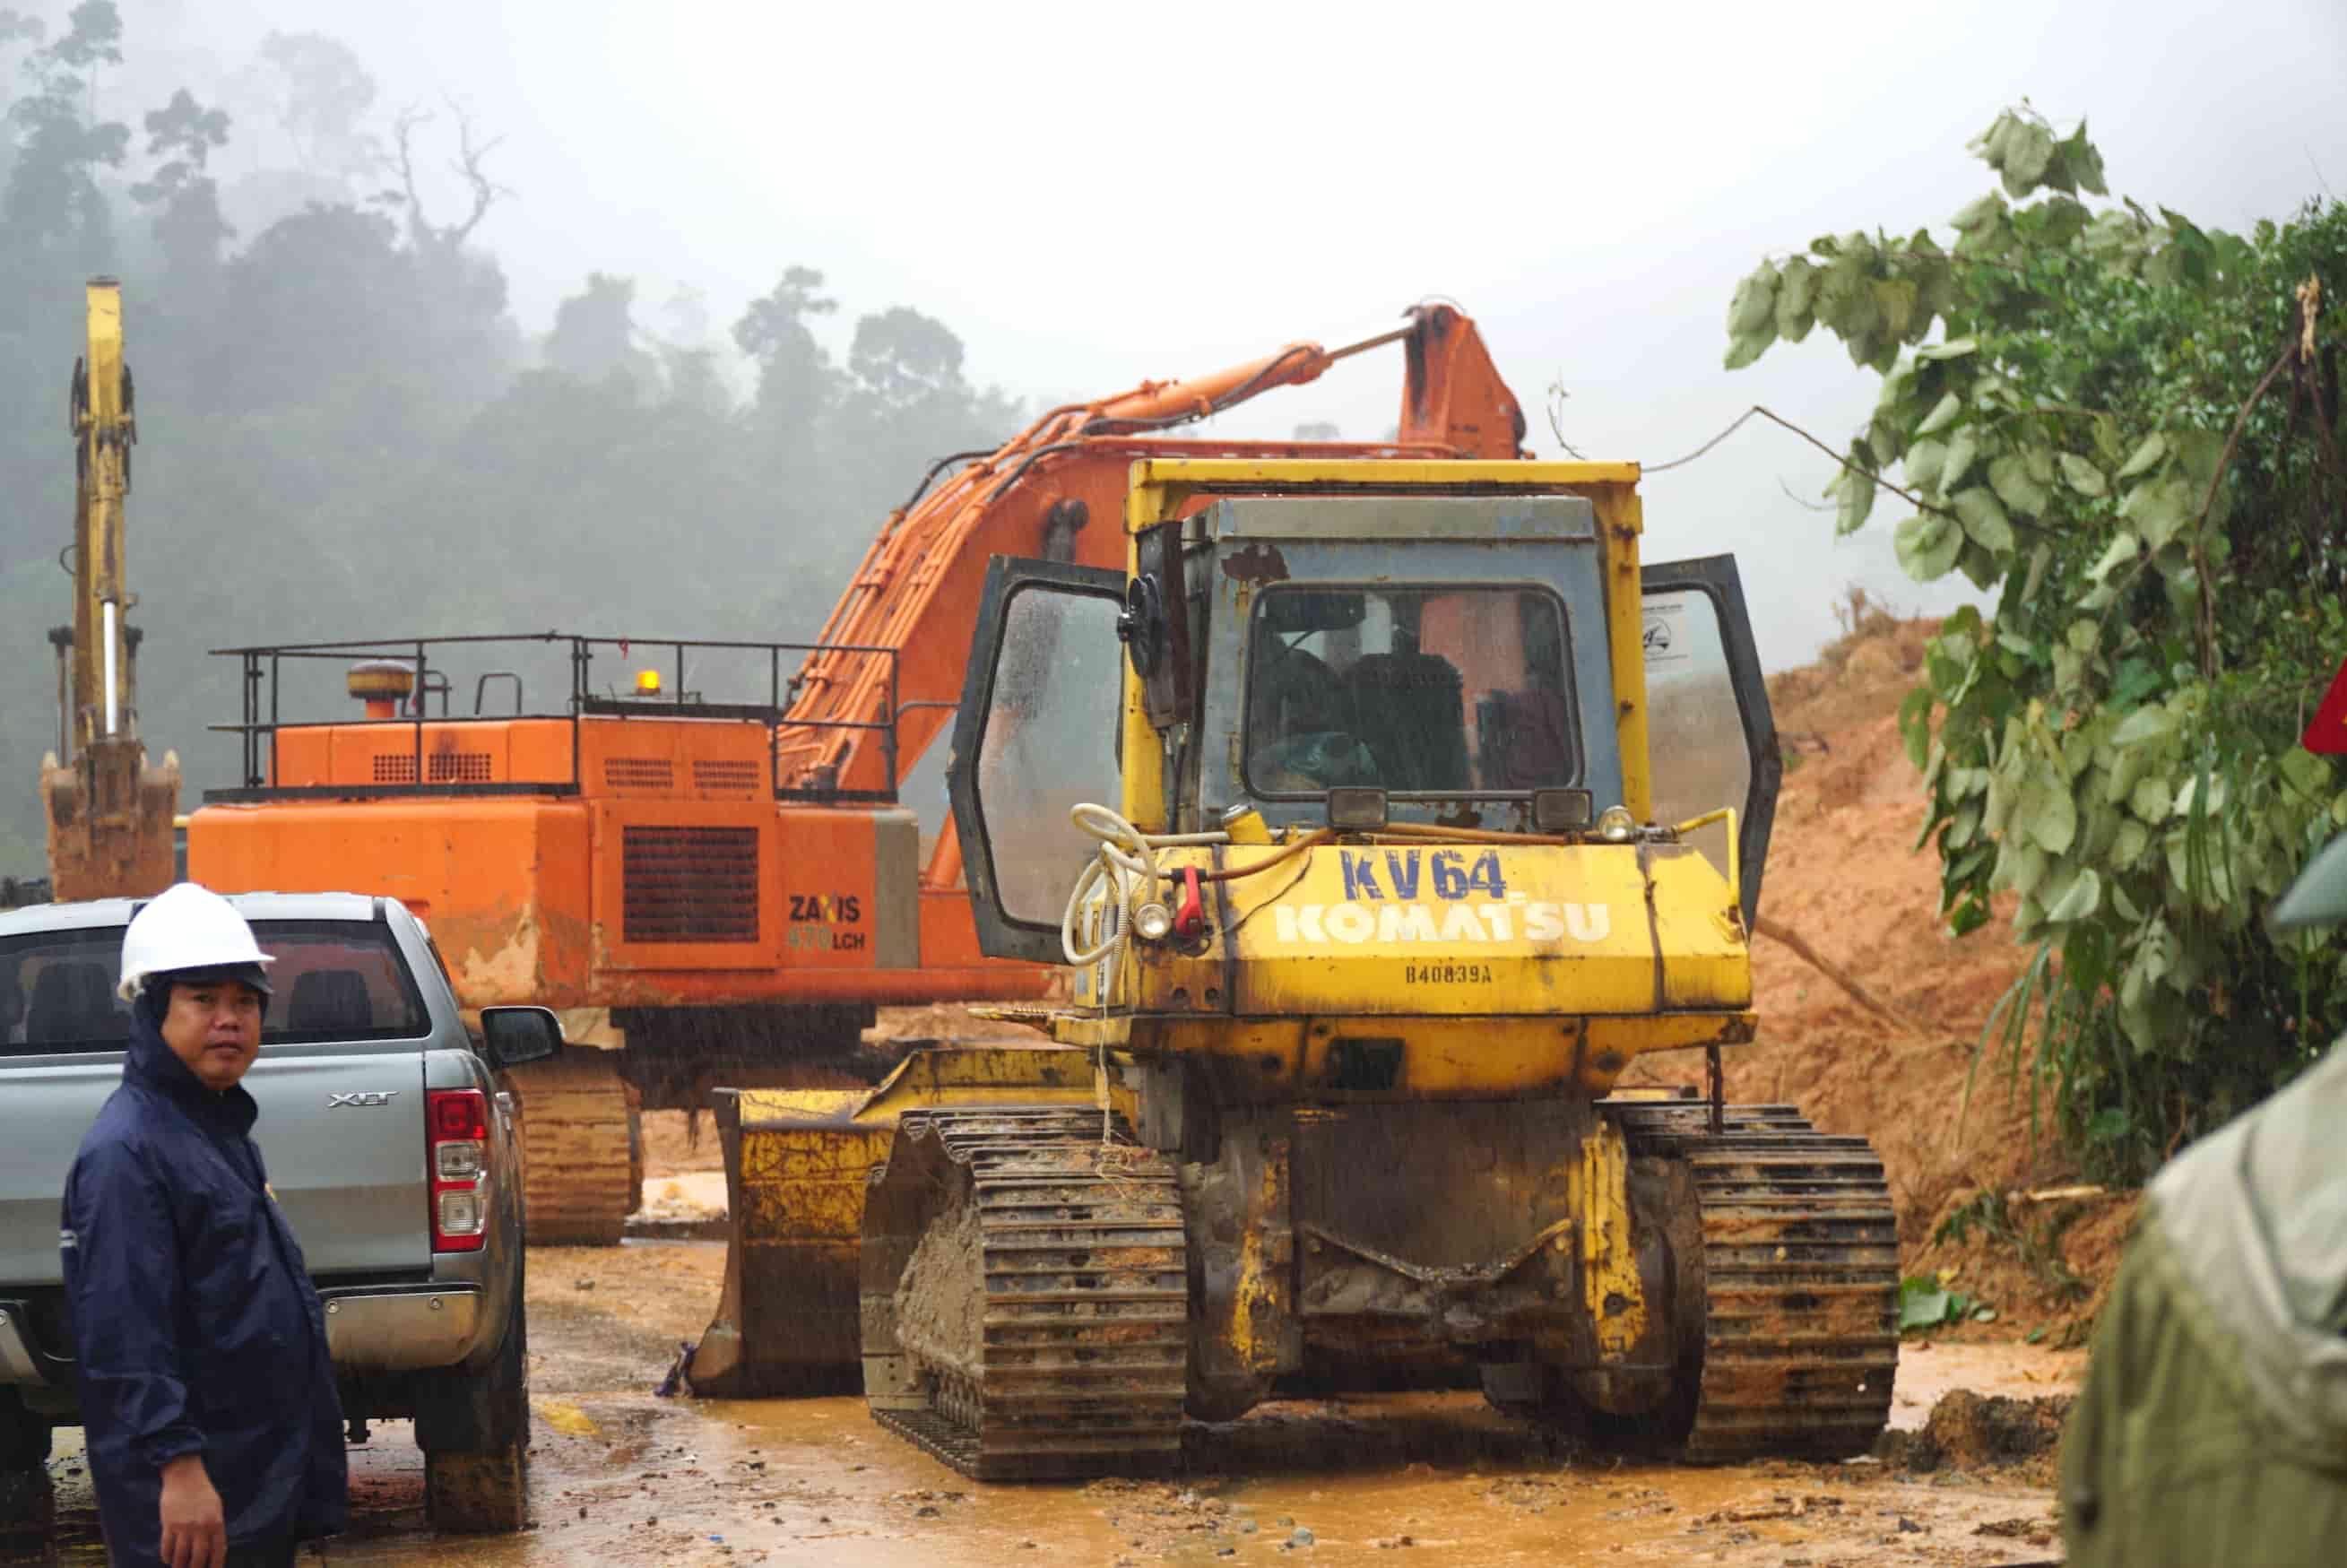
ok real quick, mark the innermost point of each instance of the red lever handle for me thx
(1190, 919)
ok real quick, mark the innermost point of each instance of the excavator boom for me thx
(1056, 489)
(110, 812)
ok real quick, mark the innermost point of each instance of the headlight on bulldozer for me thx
(1357, 808)
(1616, 825)
(1153, 922)
(1561, 810)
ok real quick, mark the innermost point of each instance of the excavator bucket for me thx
(797, 1162)
(110, 822)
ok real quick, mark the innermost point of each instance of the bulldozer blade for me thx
(797, 1163)
(795, 1173)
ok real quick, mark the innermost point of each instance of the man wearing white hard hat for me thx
(206, 1392)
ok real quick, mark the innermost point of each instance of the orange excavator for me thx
(740, 878)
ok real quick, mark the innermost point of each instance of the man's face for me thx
(215, 1026)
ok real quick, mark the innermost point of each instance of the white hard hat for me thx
(191, 928)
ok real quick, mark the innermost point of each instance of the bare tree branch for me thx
(469, 160)
(402, 133)
(1805, 506)
(2208, 615)
(471, 155)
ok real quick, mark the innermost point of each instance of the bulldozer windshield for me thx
(1428, 690)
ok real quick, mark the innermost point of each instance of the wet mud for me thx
(619, 1476)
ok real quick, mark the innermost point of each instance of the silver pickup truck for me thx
(365, 1067)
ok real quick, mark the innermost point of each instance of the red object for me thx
(454, 1119)
(458, 1113)
(2326, 733)
(1191, 918)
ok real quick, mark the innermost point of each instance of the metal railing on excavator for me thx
(399, 678)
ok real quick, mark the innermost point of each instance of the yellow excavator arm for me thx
(110, 812)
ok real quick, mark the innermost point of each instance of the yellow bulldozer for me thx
(1385, 814)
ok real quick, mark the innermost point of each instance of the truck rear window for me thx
(333, 980)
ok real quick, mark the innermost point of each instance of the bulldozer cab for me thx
(1440, 654)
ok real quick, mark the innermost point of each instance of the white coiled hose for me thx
(1125, 864)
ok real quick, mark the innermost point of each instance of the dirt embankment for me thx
(1951, 1123)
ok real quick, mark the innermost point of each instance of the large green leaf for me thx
(1854, 501)
(1915, 724)
(2022, 864)
(1964, 448)
(2152, 448)
(2046, 813)
(2124, 548)
(2083, 164)
(1796, 298)
(2079, 900)
(1927, 546)
(2083, 476)
(1755, 304)
(1944, 414)
(2159, 508)
(1895, 299)
(1923, 1305)
(2148, 723)
(2021, 490)
(2028, 153)
(1981, 213)
(2039, 559)
(1923, 463)
(1983, 520)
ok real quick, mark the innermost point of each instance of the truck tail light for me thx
(457, 1131)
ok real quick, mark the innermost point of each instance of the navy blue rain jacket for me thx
(194, 1320)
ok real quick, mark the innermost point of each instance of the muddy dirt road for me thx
(622, 1477)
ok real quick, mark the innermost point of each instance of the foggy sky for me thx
(1090, 195)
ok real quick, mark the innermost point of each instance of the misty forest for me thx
(345, 433)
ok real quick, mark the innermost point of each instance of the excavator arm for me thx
(110, 812)
(1055, 490)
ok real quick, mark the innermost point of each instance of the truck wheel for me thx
(24, 1435)
(477, 1494)
(474, 1430)
(27, 1501)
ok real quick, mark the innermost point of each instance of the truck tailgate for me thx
(350, 1178)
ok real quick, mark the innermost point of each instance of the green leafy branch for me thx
(2075, 399)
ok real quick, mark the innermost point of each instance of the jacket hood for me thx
(2254, 1213)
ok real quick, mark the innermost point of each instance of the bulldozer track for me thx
(1084, 1344)
(1800, 1252)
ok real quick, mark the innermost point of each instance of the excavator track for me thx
(1082, 1321)
(582, 1170)
(1800, 1258)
